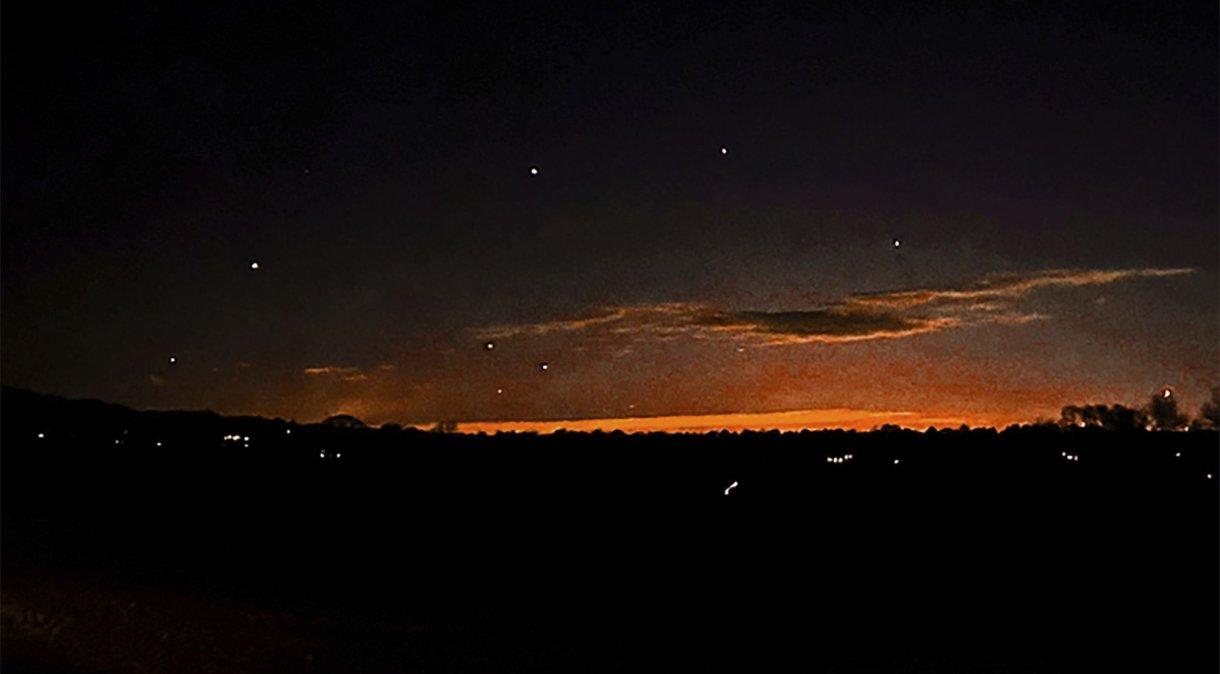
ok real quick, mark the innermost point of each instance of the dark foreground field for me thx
(977, 551)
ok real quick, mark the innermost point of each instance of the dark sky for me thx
(1050, 171)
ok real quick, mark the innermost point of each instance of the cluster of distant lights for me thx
(839, 459)
(1070, 457)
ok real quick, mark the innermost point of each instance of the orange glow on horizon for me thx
(793, 420)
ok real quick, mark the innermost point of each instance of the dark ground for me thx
(590, 553)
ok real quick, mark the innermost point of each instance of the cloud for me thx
(888, 315)
(342, 373)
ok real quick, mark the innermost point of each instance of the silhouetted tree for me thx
(1163, 411)
(1209, 414)
(1113, 418)
(445, 427)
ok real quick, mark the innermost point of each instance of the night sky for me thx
(777, 215)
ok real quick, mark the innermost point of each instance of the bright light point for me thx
(489, 346)
(499, 391)
(158, 443)
(724, 150)
(897, 243)
(322, 455)
(1178, 454)
(1209, 476)
(42, 435)
(287, 431)
(172, 360)
(339, 455)
(730, 488)
(254, 265)
(533, 170)
(246, 439)
(1167, 393)
(895, 462)
(544, 367)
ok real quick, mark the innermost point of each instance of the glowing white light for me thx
(42, 435)
(724, 150)
(897, 243)
(730, 488)
(287, 431)
(895, 462)
(246, 439)
(1167, 393)
(254, 265)
(172, 360)
(499, 391)
(339, 455)
(533, 170)
(545, 366)
(1178, 454)
(158, 443)
(322, 454)
(489, 346)
(1209, 476)
(118, 442)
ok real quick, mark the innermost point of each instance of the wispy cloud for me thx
(888, 315)
(342, 373)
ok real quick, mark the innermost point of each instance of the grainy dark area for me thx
(413, 551)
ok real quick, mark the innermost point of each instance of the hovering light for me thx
(730, 488)
(489, 346)
(499, 391)
(895, 462)
(533, 170)
(1167, 393)
(544, 367)
(724, 150)
(322, 454)
(254, 265)
(1209, 476)
(172, 360)
(287, 431)
(338, 455)
(897, 243)
(42, 435)
(118, 442)
(741, 349)
(1178, 454)
(246, 439)
(158, 443)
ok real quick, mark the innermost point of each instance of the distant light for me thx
(287, 431)
(254, 265)
(1178, 454)
(499, 391)
(1167, 393)
(734, 486)
(741, 349)
(533, 170)
(322, 454)
(118, 442)
(1209, 476)
(158, 443)
(897, 243)
(489, 346)
(172, 360)
(338, 455)
(544, 367)
(42, 435)
(895, 462)
(246, 439)
(724, 150)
